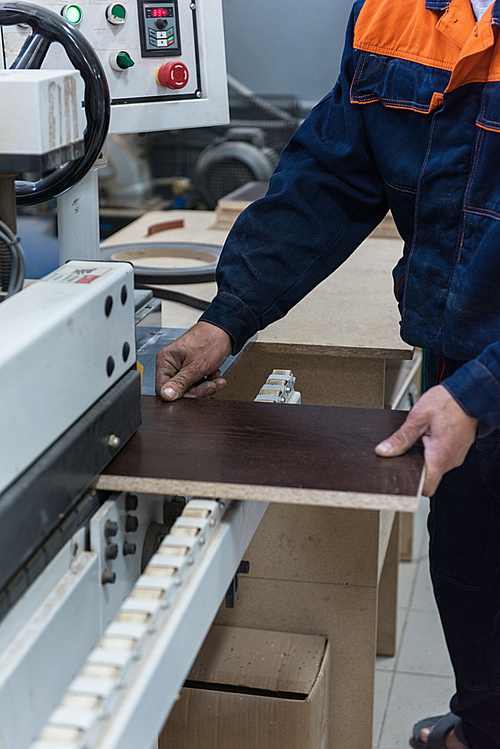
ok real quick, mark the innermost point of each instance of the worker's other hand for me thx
(196, 355)
(447, 433)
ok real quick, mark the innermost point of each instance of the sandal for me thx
(442, 724)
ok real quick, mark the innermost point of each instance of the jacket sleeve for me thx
(476, 387)
(325, 197)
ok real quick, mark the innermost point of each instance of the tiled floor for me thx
(418, 682)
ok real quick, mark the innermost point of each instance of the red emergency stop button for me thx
(172, 75)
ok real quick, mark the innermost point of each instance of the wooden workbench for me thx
(315, 569)
(338, 341)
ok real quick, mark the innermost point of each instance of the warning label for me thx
(74, 274)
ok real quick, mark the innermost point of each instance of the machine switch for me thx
(116, 14)
(174, 75)
(121, 61)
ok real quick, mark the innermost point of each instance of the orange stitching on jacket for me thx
(488, 213)
(417, 202)
(477, 149)
(242, 302)
(489, 374)
(385, 100)
(411, 190)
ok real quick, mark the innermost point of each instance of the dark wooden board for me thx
(267, 445)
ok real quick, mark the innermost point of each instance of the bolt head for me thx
(111, 528)
(198, 94)
(131, 523)
(111, 551)
(114, 441)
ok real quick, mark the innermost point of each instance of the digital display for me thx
(159, 25)
(159, 12)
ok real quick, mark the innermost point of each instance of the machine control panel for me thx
(153, 52)
(159, 24)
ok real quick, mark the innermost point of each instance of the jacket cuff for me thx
(231, 314)
(477, 390)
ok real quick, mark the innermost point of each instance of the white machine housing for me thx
(41, 110)
(58, 341)
(138, 102)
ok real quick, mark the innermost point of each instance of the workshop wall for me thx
(285, 47)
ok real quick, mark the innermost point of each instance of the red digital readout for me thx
(158, 12)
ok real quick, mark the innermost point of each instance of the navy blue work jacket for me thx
(413, 124)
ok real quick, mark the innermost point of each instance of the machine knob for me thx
(174, 75)
(121, 61)
(161, 23)
(131, 523)
(111, 551)
(131, 502)
(111, 528)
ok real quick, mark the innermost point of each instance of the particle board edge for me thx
(285, 495)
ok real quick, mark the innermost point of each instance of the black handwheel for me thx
(48, 27)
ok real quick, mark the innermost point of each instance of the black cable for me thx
(175, 296)
(163, 276)
(13, 276)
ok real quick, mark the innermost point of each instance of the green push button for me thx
(118, 11)
(72, 13)
(124, 61)
(116, 14)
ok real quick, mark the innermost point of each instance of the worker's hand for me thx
(195, 355)
(447, 433)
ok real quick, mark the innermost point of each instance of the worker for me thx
(413, 124)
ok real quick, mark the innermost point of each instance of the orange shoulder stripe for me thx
(449, 39)
(407, 30)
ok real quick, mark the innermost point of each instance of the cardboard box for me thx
(252, 689)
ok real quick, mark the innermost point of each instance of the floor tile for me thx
(423, 649)
(423, 595)
(383, 681)
(384, 663)
(413, 697)
(407, 576)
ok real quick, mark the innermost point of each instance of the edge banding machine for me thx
(105, 598)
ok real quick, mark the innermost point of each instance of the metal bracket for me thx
(233, 592)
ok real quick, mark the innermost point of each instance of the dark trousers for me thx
(464, 527)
